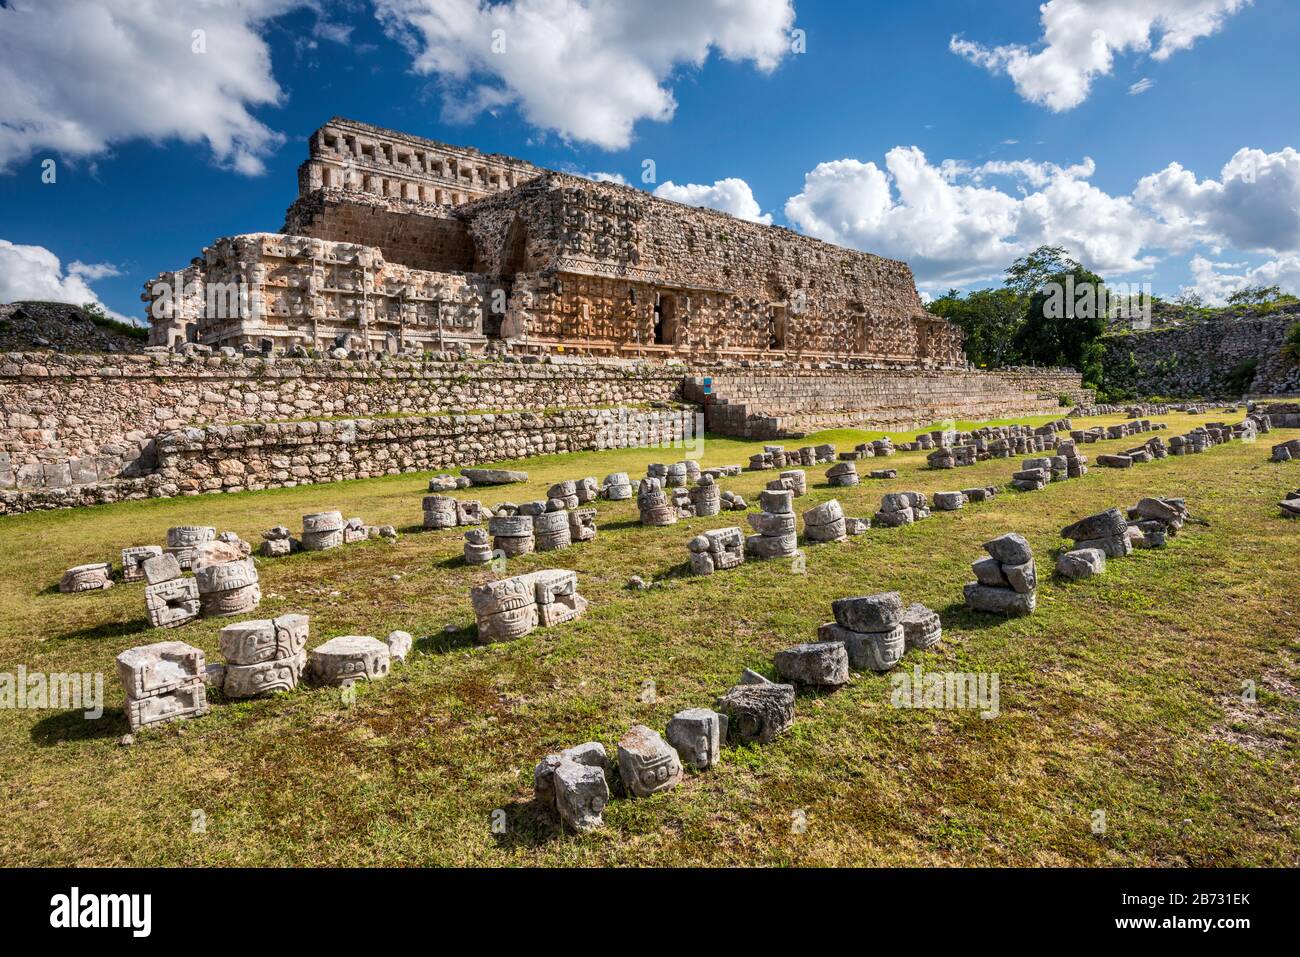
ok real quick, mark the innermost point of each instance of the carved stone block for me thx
(646, 762)
(349, 658)
(133, 560)
(95, 576)
(172, 602)
(698, 735)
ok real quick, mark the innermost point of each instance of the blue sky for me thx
(952, 134)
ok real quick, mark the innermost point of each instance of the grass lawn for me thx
(1122, 694)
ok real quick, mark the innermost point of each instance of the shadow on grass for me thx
(957, 616)
(626, 523)
(445, 641)
(75, 726)
(112, 629)
(529, 824)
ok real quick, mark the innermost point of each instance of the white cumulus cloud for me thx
(77, 76)
(729, 195)
(1215, 281)
(1081, 39)
(586, 69)
(956, 223)
(33, 272)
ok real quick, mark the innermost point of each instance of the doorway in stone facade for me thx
(665, 320)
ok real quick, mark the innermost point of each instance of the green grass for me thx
(1120, 694)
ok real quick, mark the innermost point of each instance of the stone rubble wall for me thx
(98, 428)
(1198, 359)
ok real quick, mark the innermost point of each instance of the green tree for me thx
(1063, 321)
(990, 320)
(1254, 296)
(1028, 274)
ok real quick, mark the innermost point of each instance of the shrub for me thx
(1241, 377)
(1291, 344)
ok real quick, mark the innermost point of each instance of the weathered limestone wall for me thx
(76, 419)
(608, 263)
(421, 236)
(84, 429)
(274, 455)
(794, 402)
(1199, 359)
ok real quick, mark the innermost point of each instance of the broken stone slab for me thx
(949, 501)
(1010, 549)
(172, 602)
(399, 644)
(1114, 546)
(820, 664)
(494, 476)
(94, 576)
(884, 473)
(869, 612)
(349, 658)
(1115, 461)
(1022, 578)
(988, 571)
(757, 713)
(216, 552)
(161, 568)
(999, 601)
(867, 650)
(698, 735)
(751, 677)
(1081, 563)
(581, 794)
(921, 627)
(646, 762)
(894, 519)
(1102, 525)
(133, 559)
(856, 526)
(1153, 534)
(591, 754)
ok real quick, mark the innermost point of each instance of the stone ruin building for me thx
(399, 244)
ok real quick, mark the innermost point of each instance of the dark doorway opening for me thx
(665, 320)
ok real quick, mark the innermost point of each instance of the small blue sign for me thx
(708, 385)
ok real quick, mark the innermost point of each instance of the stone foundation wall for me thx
(794, 402)
(84, 429)
(1199, 360)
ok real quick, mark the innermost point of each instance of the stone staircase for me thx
(789, 404)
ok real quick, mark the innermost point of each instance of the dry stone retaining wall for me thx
(1199, 360)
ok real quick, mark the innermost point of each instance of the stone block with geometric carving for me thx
(230, 588)
(349, 658)
(510, 608)
(322, 530)
(92, 577)
(646, 762)
(717, 550)
(172, 602)
(133, 559)
(163, 682)
(183, 541)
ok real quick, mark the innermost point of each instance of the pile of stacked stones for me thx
(326, 530)
(653, 503)
(842, 475)
(866, 450)
(952, 456)
(1153, 521)
(163, 682)
(278, 542)
(1281, 453)
(225, 582)
(1096, 538)
(617, 487)
(512, 534)
(263, 656)
(901, 508)
(775, 525)
(795, 480)
(1036, 473)
(772, 457)
(510, 608)
(574, 493)
(443, 511)
(706, 496)
(716, 550)
(825, 523)
(1290, 505)
(1007, 580)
